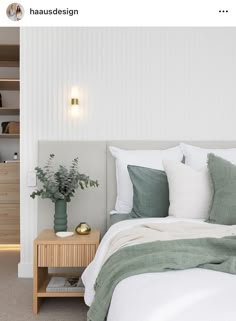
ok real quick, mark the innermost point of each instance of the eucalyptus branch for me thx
(62, 183)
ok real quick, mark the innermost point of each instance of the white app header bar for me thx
(118, 13)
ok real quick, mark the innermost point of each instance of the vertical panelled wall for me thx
(134, 83)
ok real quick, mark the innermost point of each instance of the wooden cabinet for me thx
(9, 223)
(9, 203)
(9, 173)
(53, 251)
(9, 193)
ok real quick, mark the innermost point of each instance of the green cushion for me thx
(151, 192)
(223, 175)
(116, 218)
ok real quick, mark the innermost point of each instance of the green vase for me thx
(60, 216)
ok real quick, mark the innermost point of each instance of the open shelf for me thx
(42, 292)
(9, 135)
(9, 111)
(9, 84)
(9, 55)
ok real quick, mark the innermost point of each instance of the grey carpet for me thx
(16, 297)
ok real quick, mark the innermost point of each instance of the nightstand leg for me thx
(36, 304)
(40, 276)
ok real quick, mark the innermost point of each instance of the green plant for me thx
(61, 184)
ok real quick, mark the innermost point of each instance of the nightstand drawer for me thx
(9, 173)
(65, 255)
(9, 193)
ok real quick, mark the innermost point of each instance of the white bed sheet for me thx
(189, 295)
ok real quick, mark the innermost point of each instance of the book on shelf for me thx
(65, 284)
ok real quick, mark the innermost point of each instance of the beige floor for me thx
(16, 297)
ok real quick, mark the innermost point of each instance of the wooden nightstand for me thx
(53, 251)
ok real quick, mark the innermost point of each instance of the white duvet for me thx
(189, 295)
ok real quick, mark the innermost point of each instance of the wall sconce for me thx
(74, 102)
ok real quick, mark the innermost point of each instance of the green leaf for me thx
(61, 183)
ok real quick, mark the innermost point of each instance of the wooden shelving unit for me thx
(9, 172)
(9, 84)
(9, 111)
(9, 55)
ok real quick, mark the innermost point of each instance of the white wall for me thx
(135, 83)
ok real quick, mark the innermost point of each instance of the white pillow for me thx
(146, 158)
(190, 191)
(196, 157)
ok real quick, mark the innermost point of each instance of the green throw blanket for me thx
(207, 253)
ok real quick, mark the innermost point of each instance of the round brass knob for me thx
(83, 229)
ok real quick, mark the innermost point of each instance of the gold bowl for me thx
(83, 229)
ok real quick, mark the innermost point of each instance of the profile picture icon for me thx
(15, 11)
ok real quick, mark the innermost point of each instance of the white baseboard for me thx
(25, 270)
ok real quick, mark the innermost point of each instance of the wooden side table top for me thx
(49, 237)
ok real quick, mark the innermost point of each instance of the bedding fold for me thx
(217, 254)
(151, 232)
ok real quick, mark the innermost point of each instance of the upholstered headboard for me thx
(94, 205)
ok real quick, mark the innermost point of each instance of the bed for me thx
(187, 294)
(196, 294)
(193, 294)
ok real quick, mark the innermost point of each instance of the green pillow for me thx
(151, 192)
(115, 218)
(223, 175)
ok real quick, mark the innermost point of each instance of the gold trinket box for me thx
(83, 229)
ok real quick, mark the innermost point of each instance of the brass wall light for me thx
(74, 106)
(74, 101)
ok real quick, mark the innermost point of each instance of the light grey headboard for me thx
(94, 205)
